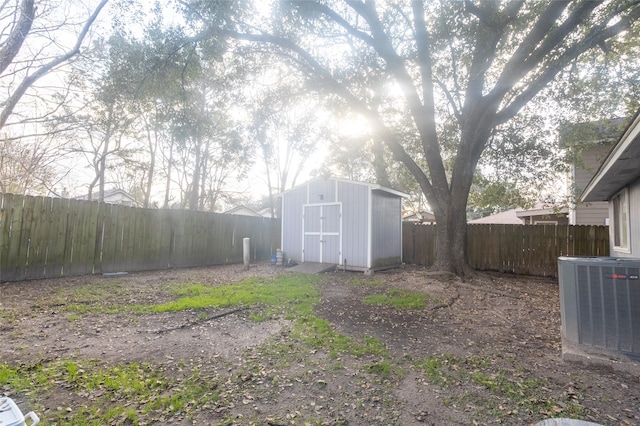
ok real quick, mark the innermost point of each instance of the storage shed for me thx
(355, 225)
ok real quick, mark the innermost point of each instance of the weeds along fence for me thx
(44, 237)
(518, 249)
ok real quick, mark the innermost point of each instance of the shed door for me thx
(321, 239)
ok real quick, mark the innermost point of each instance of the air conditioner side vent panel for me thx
(600, 304)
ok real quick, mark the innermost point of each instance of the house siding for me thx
(594, 213)
(634, 223)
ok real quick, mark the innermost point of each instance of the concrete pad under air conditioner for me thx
(565, 422)
(592, 357)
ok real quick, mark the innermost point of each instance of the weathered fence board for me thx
(519, 249)
(50, 237)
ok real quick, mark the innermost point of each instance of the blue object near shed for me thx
(355, 225)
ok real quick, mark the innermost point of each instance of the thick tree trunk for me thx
(167, 189)
(379, 164)
(153, 147)
(195, 183)
(451, 245)
(452, 239)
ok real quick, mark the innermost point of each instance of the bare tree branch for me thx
(18, 34)
(9, 105)
(595, 37)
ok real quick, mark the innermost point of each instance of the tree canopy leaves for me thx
(439, 80)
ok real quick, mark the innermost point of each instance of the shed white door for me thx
(321, 233)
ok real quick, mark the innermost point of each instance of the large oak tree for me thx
(455, 71)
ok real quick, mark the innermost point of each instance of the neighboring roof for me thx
(266, 212)
(507, 217)
(372, 186)
(107, 194)
(517, 215)
(621, 167)
(543, 210)
(242, 211)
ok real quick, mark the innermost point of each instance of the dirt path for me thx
(483, 352)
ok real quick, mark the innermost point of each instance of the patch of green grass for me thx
(295, 291)
(16, 334)
(8, 316)
(117, 394)
(135, 393)
(290, 296)
(431, 368)
(385, 369)
(400, 299)
(435, 368)
(501, 391)
(318, 333)
(286, 293)
(26, 376)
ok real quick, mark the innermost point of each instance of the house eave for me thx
(621, 167)
(543, 212)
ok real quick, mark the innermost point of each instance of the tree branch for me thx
(325, 77)
(530, 52)
(421, 113)
(429, 135)
(18, 34)
(343, 23)
(596, 36)
(9, 105)
(488, 35)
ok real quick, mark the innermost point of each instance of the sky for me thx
(254, 185)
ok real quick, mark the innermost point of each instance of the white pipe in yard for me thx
(246, 252)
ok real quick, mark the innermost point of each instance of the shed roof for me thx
(621, 167)
(372, 186)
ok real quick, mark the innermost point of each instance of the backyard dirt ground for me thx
(485, 351)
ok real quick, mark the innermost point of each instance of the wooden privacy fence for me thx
(50, 237)
(518, 249)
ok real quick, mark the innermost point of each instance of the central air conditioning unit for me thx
(600, 307)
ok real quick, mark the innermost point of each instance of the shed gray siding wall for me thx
(322, 191)
(386, 232)
(292, 203)
(362, 209)
(355, 223)
(634, 223)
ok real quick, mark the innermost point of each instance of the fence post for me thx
(246, 252)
